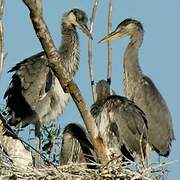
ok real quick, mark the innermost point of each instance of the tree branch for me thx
(109, 70)
(53, 56)
(90, 62)
(2, 55)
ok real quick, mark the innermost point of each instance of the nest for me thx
(112, 170)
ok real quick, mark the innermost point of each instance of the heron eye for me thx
(72, 11)
(79, 19)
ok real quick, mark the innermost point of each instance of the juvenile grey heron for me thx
(76, 146)
(140, 88)
(35, 94)
(122, 125)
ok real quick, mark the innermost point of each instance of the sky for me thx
(158, 56)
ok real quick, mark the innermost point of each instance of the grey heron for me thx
(122, 125)
(76, 147)
(35, 94)
(141, 89)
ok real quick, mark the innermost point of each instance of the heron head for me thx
(128, 27)
(79, 19)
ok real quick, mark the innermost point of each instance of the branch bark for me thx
(2, 55)
(90, 61)
(53, 56)
(109, 70)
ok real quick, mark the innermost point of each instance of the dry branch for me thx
(109, 69)
(53, 56)
(90, 61)
(2, 55)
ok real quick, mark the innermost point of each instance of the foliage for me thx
(50, 136)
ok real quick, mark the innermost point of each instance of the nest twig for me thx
(113, 170)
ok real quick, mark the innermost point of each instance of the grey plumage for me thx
(76, 146)
(122, 125)
(34, 93)
(140, 88)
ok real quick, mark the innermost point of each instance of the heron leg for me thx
(37, 144)
(148, 159)
(159, 159)
(18, 128)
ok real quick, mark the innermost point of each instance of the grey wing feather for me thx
(33, 74)
(32, 79)
(76, 146)
(18, 65)
(160, 122)
(130, 122)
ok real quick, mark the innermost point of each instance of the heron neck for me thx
(131, 64)
(103, 92)
(69, 49)
(101, 98)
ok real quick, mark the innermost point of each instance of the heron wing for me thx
(104, 116)
(129, 119)
(76, 146)
(30, 83)
(148, 97)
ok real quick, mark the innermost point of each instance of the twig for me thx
(2, 55)
(90, 61)
(67, 84)
(109, 69)
(162, 165)
(77, 171)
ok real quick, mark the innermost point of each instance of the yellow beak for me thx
(114, 35)
(85, 30)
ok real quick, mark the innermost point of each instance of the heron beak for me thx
(85, 30)
(114, 35)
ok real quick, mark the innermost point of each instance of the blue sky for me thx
(159, 54)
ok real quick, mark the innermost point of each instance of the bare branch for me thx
(109, 70)
(67, 84)
(90, 62)
(2, 55)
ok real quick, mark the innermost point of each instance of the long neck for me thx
(102, 94)
(131, 63)
(69, 49)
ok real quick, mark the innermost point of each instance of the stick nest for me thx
(112, 171)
